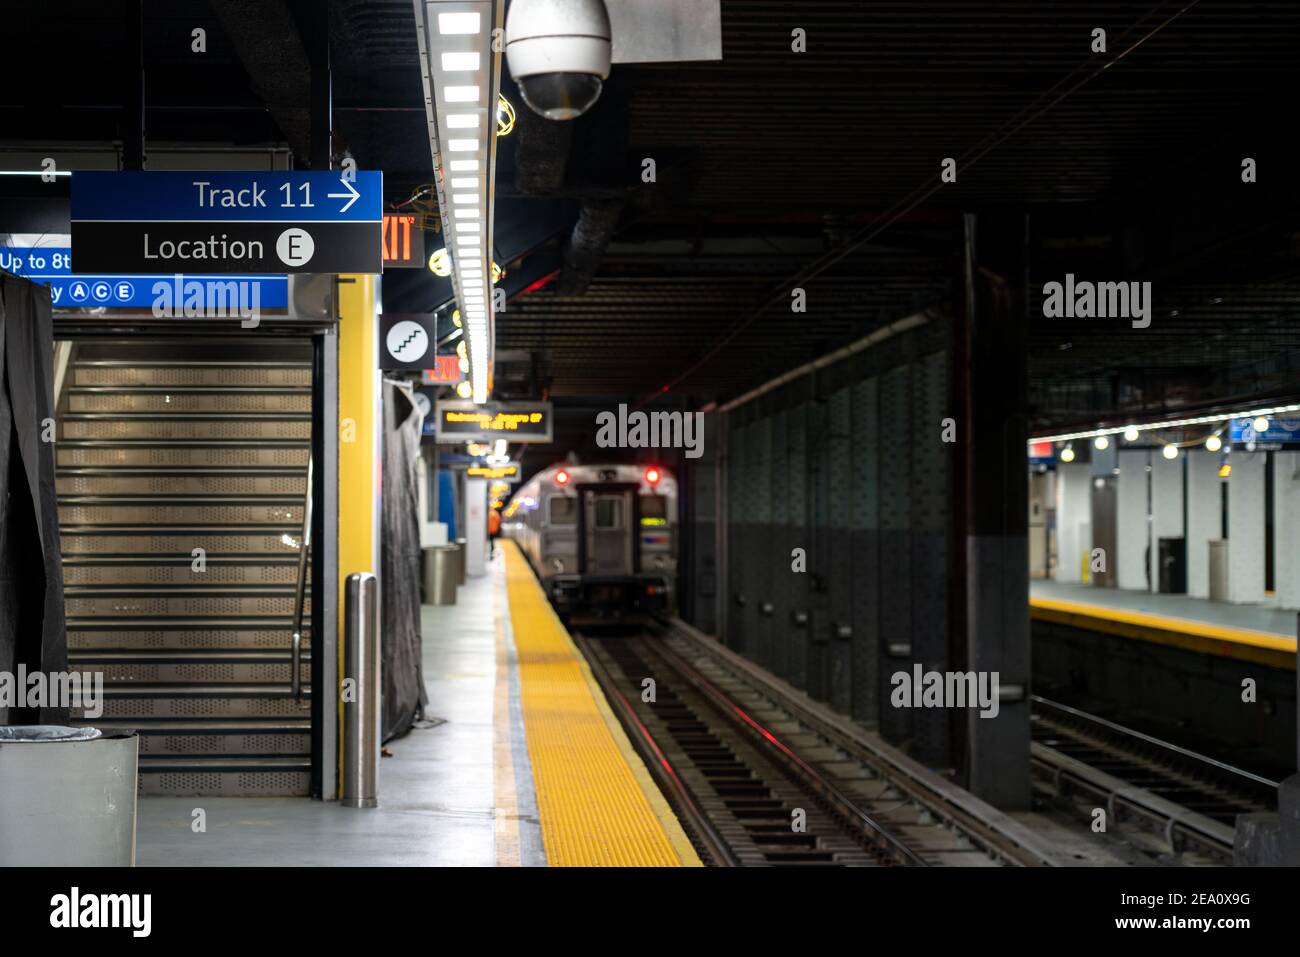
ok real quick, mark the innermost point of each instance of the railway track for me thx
(761, 775)
(1168, 799)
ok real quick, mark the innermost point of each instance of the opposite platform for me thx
(1245, 632)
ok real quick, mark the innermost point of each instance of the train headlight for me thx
(653, 475)
(561, 477)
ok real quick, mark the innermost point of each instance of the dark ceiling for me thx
(778, 169)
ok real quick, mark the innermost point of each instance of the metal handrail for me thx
(300, 594)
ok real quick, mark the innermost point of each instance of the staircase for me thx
(159, 457)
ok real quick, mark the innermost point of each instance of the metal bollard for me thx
(361, 715)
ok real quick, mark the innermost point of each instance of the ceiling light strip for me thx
(1171, 424)
(462, 79)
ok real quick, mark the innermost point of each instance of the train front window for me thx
(654, 510)
(609, 513)
(564, 510)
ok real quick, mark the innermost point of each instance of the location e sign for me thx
(227, 222)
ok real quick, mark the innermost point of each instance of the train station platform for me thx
(519, 762)
(1256, 633)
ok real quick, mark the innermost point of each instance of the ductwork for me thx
(265, 35)
(586, 246)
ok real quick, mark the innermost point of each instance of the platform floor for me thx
(1250, 632)
(463, 789)
(1264, 618)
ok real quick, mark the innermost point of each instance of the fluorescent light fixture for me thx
(459, 24)
(1127, 430)
(35, 172)
(452, 62)
(461, 72)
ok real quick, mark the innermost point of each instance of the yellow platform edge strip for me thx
(1243, 644)
(597, 802)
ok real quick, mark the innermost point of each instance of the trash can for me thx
(459, 561)
(67, 796)
(440, 575)
(461, 544)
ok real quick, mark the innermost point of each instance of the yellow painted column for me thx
(359, 445)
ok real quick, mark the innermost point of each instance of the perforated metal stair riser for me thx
(194, 448)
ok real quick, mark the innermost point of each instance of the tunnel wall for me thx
(831, 463)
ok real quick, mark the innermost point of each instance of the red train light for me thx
(652, 475)
(561, 477)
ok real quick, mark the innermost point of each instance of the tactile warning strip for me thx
(597, 804)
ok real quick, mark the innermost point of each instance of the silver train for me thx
(601, 538)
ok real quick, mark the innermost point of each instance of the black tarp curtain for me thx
(32, 629)
(399, 564)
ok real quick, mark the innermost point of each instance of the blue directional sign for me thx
(184, 295)
(227, 222)
(1282, 433)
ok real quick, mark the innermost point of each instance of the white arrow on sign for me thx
(351, 195)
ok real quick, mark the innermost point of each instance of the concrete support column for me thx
(476, 526)
(1073, 519)
(1204, 518)
(698, 575)
(993, 484)
(1286, 528)
(357, 492)
(1132, 530)
(1246, 527)
(1166, 507)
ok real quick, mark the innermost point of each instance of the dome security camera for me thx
(559, 53)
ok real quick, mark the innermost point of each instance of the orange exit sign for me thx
(445, 371)
(403, 241)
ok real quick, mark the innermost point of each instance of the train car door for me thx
(609, 521)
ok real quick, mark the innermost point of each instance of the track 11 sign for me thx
(227, 222)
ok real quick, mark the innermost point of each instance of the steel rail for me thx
(661, 769)
(738, 716)
(994, 830)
